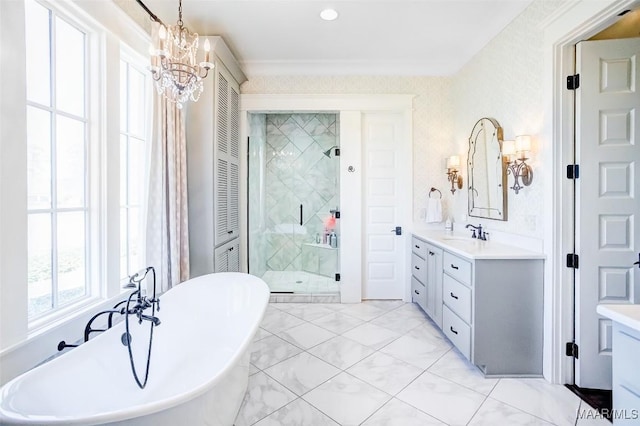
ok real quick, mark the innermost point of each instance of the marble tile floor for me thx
(384, 363)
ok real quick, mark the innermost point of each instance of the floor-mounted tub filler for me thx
(199, 365)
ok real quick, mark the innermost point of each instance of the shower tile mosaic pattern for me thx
(297, 173)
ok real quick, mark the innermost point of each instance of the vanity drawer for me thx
(457, 267)
(419, 247)
(418, 293)
(457, 297)
(457, 331)
(419, 268)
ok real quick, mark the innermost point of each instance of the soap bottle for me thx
(325, 237)
(333, 239)
(448, 225)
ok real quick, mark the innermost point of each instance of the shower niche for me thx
(293, 202)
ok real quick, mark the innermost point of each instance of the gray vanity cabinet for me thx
(426, 279)
(491, 308)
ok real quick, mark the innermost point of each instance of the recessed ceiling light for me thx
(329, 14)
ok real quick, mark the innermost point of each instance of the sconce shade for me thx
(523, 143)
(453, 162)
(508, 148)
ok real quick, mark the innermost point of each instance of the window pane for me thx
(124, 254)
(71, 256)
(38, 158)
(137, 101)
(135, 258)
(70, 68)
(136, 171)
(70, 162)
(39, 264)
(124, 166)
(123, 96)
(37, 20)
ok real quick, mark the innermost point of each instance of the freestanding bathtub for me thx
(199, 364)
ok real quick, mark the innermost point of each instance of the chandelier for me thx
(174, 65)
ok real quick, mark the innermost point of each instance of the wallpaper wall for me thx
(505, 81)
(432, 118)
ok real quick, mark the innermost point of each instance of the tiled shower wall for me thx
(296, 173)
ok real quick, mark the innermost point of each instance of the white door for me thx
(385, 205)
(608, 196)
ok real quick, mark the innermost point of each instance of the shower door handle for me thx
(300, 214)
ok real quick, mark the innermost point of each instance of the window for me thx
(57, 161)
(134, 117)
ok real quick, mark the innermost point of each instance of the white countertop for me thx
(628, 315)
(473, 248)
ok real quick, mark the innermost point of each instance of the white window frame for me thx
(22, 344)
(137, 62)
(92, 121)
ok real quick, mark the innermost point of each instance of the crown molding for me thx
(343, 68)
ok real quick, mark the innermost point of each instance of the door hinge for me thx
(573, 171)
(572, 350)
(337, 152)
(337, 277)
(572, 260)
(573, 82)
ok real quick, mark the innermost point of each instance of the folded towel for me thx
(434, 210)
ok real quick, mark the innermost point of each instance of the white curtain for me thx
(167, 227)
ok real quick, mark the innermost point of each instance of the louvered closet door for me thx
(221, 261)
(227, 159)
(227, 257)
(222, 160)
(233, 224)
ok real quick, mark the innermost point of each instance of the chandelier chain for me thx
(180, 24)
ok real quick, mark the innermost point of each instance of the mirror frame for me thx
(498, 133)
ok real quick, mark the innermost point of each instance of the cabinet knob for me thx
(453, 295)
(416, 292)
(452, 330)
(416, 268)
(454, 266)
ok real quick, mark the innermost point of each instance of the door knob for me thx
(638, 262)
(397, 230)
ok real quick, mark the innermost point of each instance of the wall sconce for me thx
(515, 154)
(453, 163)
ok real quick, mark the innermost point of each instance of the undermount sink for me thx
(458, 239)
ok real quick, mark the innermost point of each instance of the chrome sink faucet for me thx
(481, 234)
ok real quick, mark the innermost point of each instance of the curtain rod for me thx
(151, 14)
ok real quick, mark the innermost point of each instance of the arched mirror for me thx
(487, 177)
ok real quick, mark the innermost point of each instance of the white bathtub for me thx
(199, 364)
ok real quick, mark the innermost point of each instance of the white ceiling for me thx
(383, 37)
